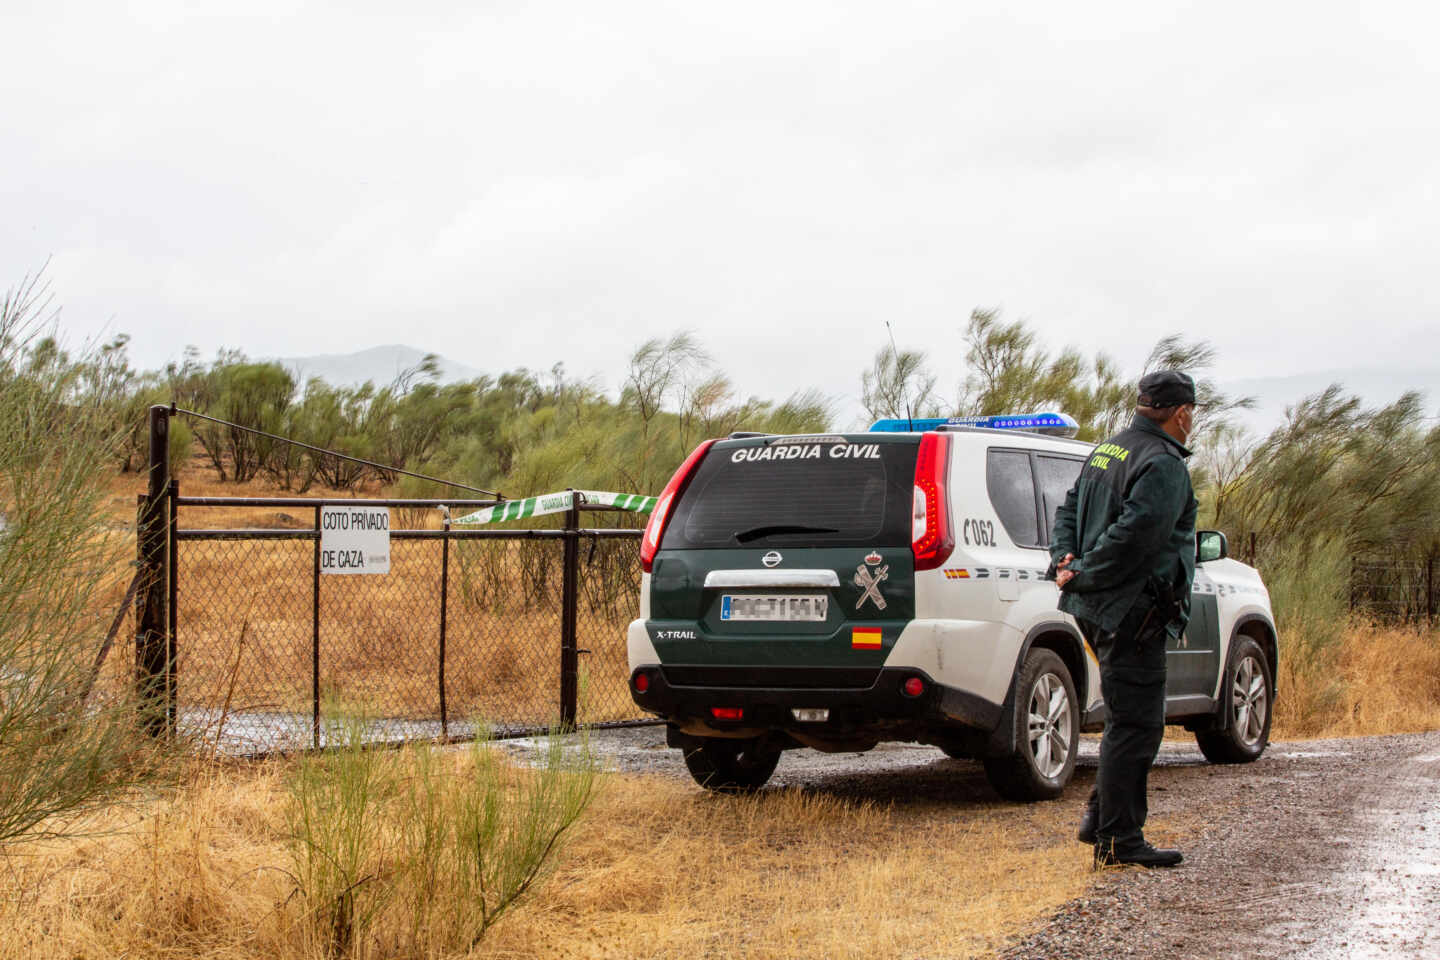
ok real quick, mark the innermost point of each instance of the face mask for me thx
(1186, 422)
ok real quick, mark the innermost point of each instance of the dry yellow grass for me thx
(1374, 680)
(657, 868)
(794, 874)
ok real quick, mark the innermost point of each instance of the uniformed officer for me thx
(1124, 558)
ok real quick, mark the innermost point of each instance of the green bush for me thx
(414, 853)
(67, 743)
(340, 836)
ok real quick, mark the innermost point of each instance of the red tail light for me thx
(931, 537)
(655, 529)
(728, 713)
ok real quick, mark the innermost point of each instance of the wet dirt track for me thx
(1323, 849)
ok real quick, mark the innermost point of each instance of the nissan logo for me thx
(772, 559)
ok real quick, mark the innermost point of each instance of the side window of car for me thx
(1011, 484)
(1056, 475)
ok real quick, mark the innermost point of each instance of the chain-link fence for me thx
(1395, 591)
(512, 630)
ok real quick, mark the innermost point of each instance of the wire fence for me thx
(1395, 591)
(246, 644)
(510, 631)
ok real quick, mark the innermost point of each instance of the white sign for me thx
(354, 539)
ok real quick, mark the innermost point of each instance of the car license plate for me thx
(787, 608)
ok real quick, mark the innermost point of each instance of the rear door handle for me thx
(771, 578)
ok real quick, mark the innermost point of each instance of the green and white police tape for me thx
(548, 503)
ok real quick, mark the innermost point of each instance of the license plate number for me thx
(785, 607)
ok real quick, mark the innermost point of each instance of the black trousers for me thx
(1132, 681)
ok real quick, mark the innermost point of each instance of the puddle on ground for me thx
(1312, 754)
(1394, 887)
(254, 732)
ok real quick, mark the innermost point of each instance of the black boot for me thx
(1085, 833)
(1142, 856)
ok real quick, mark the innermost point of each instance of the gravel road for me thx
(1324, 849)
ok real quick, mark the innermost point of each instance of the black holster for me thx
(1166, 607)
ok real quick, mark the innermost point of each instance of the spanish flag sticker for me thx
(865, 638)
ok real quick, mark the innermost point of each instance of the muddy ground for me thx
(1323, 849)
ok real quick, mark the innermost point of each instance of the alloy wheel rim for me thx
(1051, 733)
(1251, 699)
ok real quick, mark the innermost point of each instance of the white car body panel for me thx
(975, 612)
(639, 647)
(969, 655)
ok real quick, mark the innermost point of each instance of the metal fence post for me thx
(444, 612)
(172, 606)
(142, 576)
(315, 638)
(569, 609)
(152, 646)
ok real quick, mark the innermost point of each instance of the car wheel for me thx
(1248, 693)
(731, 766)
(1047, 727)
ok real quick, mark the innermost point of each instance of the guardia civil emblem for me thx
(869, 584)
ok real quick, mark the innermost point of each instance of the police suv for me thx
(834, 592)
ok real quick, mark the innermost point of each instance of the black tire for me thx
(1044, 762)
(731, 766)
(1245, 727)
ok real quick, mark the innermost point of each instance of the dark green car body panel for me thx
(685, 616)
(795, 500)
(1193, 660)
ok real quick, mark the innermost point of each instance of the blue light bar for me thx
(1055, 424)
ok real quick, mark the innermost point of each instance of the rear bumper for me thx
(862, 702)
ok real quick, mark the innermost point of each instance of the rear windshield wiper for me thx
(755, 533)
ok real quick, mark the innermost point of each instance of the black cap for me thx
(1166, 388)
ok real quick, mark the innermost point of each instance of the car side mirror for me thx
(1211, 545)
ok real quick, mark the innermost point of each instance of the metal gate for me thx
(245, 646)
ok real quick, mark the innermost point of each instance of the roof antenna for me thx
(908, 417)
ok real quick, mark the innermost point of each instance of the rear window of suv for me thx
(802, 490)
(1010, 477)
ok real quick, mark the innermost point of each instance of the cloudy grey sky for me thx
(524, 183)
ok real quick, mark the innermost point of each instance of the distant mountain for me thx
(380, 365)
(1374, 385)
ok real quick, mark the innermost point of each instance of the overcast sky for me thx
(513, 183)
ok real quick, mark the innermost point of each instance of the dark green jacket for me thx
(1130, 518)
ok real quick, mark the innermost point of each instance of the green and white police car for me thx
(834, 592)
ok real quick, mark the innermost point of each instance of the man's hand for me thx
(1063, 574)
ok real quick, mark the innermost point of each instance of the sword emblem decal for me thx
(869, 584)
